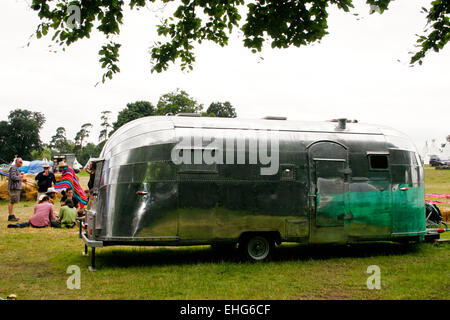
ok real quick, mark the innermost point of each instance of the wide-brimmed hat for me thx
(50, 190)
(46, 165)
(41, 197)
(63, 164)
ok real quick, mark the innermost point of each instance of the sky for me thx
(358, 71)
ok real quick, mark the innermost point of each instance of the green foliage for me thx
(187, 26)
(41, 154)
(89, 151)
(59, 140)
(174, 102)
(283, 23)
(20, 134)
(109, 58)
(221, 109)
(83, 134)
(6, 155)
(105, 125)
(177, 102)
(437, 30)
(132, 112)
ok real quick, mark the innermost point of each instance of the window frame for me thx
(378, 154)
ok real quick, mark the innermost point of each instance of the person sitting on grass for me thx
(68, 214)
(43, 215)
(68, 195)
(51, 194)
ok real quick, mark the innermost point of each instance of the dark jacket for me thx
(14, 180)
(45, 182)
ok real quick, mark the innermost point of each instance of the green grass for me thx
(33, 264)
(83, 173)
(437, 181)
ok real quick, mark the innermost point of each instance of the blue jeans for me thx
(23, 224)
(26, 224)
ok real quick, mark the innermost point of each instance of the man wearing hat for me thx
(45, 180)
(51, 193)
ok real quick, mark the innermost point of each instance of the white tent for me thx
(77, 165)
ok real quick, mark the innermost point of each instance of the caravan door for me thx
(328, 191)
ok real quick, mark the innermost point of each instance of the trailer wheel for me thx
(257, 248)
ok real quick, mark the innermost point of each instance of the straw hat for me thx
(50, 190)
(42, 196)
(46, 165)
(63, 164)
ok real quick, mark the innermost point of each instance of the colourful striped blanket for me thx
(69, 180)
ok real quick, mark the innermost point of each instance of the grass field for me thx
(438, 181)
(34, 264)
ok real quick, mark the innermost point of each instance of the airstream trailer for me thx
(325, 182)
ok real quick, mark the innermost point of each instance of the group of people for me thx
(73, 200)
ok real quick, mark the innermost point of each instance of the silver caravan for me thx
(186, 180)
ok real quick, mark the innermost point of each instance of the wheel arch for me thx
(275, 236)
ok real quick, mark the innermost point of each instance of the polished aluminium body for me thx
(337, 182)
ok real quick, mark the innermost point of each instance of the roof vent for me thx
(185, 114)
(341, 124)
(274, 118)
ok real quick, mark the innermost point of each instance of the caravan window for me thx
(378, 162)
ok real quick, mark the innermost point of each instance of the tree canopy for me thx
(20, 134)
(221, 109)
(283, 23)
(83, 134)
(59, 142)
(175, 102)
(172, 103)
(132, 112)
(105, 125)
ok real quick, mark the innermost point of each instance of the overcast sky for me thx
(354, 72)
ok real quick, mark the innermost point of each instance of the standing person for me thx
(45, 180)
(15, 187)
(91, 171)
(43, 216)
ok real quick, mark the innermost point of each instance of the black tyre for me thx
(257, 248)
(432, 214)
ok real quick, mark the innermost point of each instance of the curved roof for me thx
(143, 126)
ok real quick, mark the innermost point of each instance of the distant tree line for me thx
(172, 103)
(20, 134)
